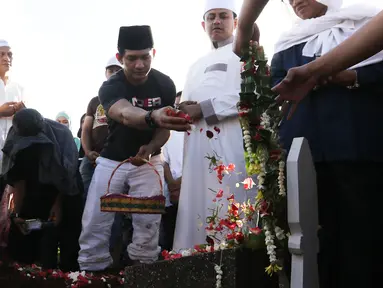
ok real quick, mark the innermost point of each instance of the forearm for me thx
(134, 117)
(161, 136)
(168, 174)
(86, 140)
(18, 190)
(125, 113)
(250, 11)
(365, 43)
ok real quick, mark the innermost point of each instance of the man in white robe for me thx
(213, 82)
(11, 94)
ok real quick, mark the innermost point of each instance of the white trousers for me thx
(96, 225)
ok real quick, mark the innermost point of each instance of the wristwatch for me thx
(13, 215)
(149, 120)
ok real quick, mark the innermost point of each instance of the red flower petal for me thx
(216, 129)
(230, 167)
(231, 197)
(256, 230)
(209, 134)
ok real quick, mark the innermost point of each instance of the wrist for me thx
(319, 69)
(151, 119)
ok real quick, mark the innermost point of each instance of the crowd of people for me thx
(51, 182)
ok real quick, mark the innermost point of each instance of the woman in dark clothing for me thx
(45, 187)
(340, 120)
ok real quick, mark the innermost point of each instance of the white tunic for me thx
(214, 82)
(173, 156)
(8, 93)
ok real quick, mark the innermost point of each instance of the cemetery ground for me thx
(238, 267)
(241, 268)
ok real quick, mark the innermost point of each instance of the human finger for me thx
(292, 110)
(137, 161)
(12, 103)
(177, 127)
(174, 120)
(285, 107)
(188, 102)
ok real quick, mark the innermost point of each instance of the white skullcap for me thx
(332, 4)
(220, 4)
(4, 43)
(113, 62)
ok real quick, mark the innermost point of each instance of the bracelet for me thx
(356, 83)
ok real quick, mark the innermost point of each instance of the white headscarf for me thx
(324, 33)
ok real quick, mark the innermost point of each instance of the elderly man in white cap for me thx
(11, 96)
(210, 97)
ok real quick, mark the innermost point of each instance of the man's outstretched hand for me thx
(295, 86)
(166, 120)
(243, 37)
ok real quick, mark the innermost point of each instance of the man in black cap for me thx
(136, 100)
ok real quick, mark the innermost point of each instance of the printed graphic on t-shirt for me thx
(100, 118)
(146, 103)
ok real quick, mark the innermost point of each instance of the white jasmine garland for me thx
(223, 245)
(265, 121)
(279, 233)
(270, 247)
(218, 270)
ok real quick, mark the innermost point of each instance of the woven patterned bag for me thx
(123, 203)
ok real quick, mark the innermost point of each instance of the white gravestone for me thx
(302, 215)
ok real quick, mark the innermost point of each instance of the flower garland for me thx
(254, 223)
(259, 118)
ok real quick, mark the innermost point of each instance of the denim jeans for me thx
(86, 169)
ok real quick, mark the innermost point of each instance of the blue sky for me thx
(61, 47)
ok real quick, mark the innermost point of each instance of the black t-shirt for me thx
(100, 125)
(157, 92)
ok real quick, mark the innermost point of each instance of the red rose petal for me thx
(209, 134)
